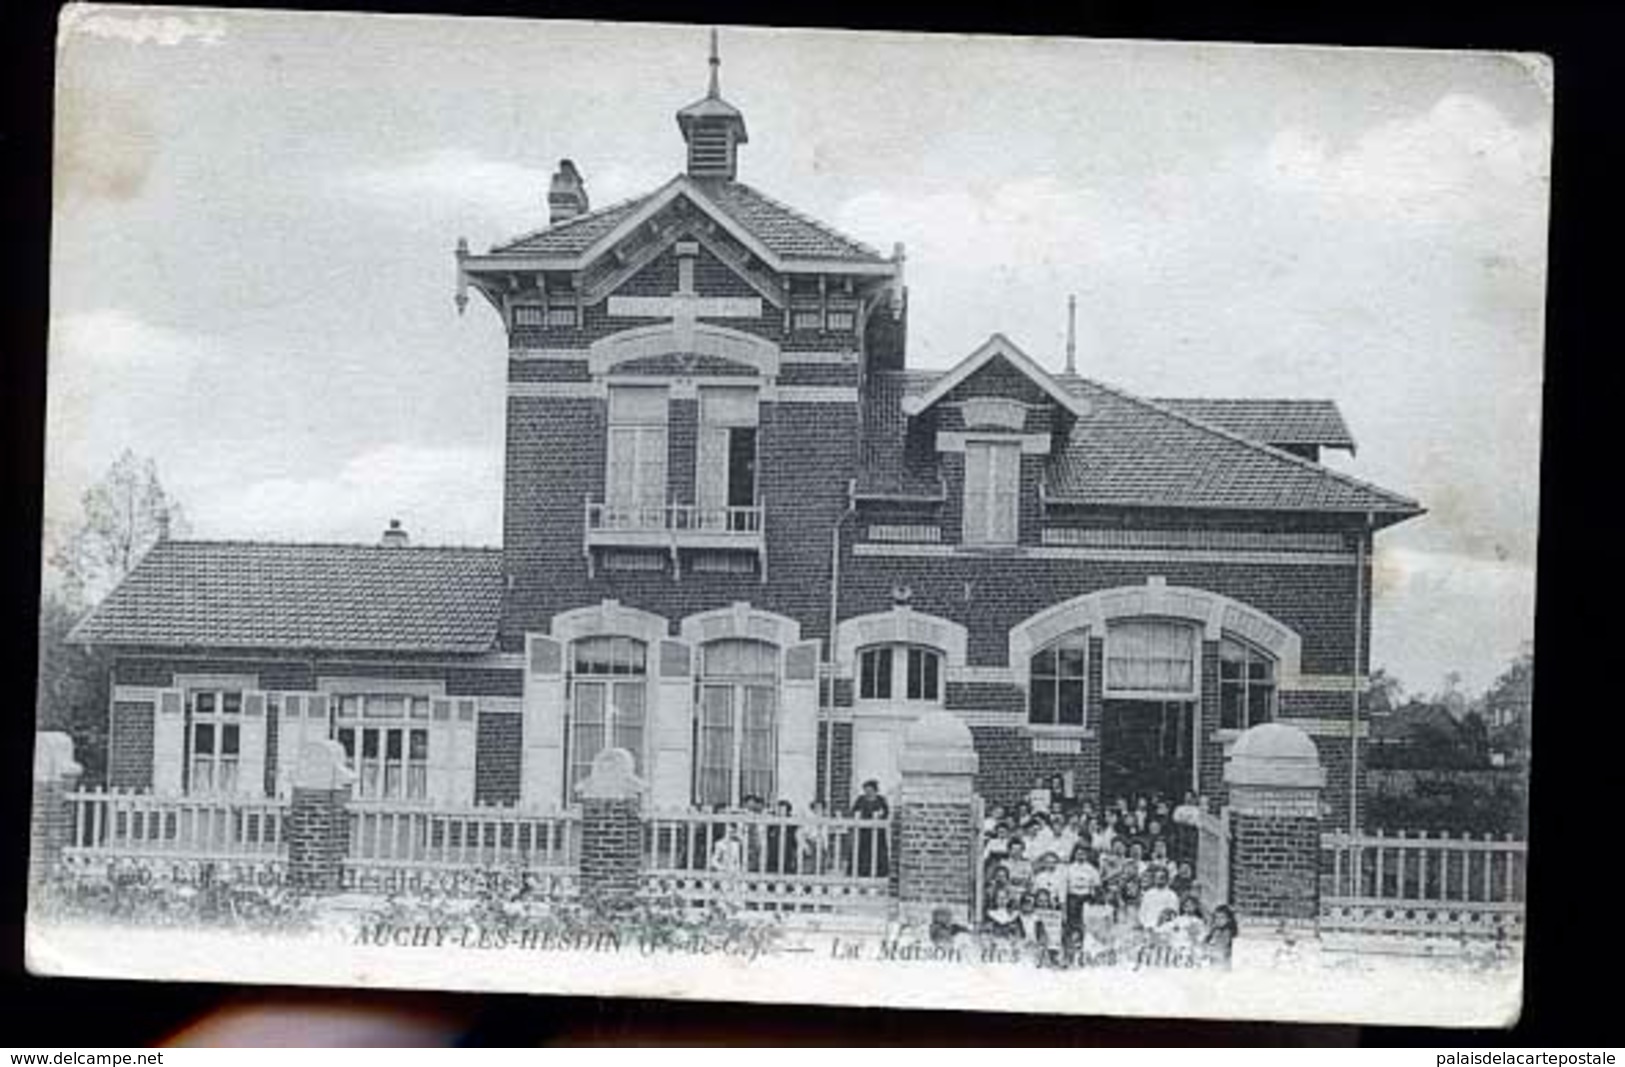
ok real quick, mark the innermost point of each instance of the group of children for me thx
(1081, 885)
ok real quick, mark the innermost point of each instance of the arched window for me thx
(900, 672)
(1151, 659)
(1058, 680)
(608, 702)
(736, 723)
(1246, 685)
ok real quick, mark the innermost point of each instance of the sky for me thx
(254, 218)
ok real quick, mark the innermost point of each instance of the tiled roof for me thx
(886, 466)
(784, 231)
(787, 232)
(1133, 451)
(240, 594)
(574, 236)
(1130, 451)
(1275, 422)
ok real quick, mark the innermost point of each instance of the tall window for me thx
(214, 740)
(635, 475)
(1151, 657)
(1246, 686)
(992, 492)
(609, 702)
(385, 746)
(725, 459)
(1059, 681)
(736, 723)
(907, 672)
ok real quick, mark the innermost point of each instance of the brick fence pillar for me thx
(56, 774)
(611, 831)
(1275, 778)
(318, 830)
(937, 836)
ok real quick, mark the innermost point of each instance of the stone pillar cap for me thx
(322, 765)
(938, 742)
(53, 757)
(1275, 754)
(613, 777)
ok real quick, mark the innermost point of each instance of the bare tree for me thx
(124, 515)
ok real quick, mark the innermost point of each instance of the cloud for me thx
(1432, 609)
(1459, 162)
(442, 495)
(115, 380)
(500, 196)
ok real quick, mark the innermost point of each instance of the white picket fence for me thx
(793, 865)
(114, 824)
(1417, 884)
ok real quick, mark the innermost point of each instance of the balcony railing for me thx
(675, 527)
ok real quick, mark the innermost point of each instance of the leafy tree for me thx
(123, 516)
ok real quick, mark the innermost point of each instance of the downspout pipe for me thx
(829, 643)
(1355, 687)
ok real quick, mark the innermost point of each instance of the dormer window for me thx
(992, 493)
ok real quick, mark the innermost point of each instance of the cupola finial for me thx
(715, 92)
(1072, 334)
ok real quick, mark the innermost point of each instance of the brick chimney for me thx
(567, 195)
(395, 536)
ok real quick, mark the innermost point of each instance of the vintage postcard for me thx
(964, 522)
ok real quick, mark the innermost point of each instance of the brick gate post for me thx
(1275, 779)
(56, 773)
(938, 843)
(611, 831)
(318, 830)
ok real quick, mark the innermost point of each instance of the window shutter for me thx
(542, 760)
(290, 740)
(797, 775)
(711, 468)
(671, 768)
(978, 493)
(442, 752)
(1006, 494)
(169, 742)
(251, 752)
(465, 739)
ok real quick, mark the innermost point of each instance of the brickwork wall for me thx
(318, 837)
(129, 745)
(498, 751)
(1008, 767)
(835, 766)
(556, 455)
(159, 669)
(50, 825)
(935, 846)
(611, 849)
(1275, 867)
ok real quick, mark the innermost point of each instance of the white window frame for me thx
(897, 677)
(206, 706)
(636, 442)
(626, 651)
(1247, 683)
(370, 720)
(1114, 630)
(740, 690)
(991, 513)
(1077, 640)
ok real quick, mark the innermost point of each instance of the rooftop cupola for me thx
(713, 128)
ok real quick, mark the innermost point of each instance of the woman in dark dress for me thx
(874, 847)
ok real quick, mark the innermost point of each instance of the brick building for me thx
(745, 541)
